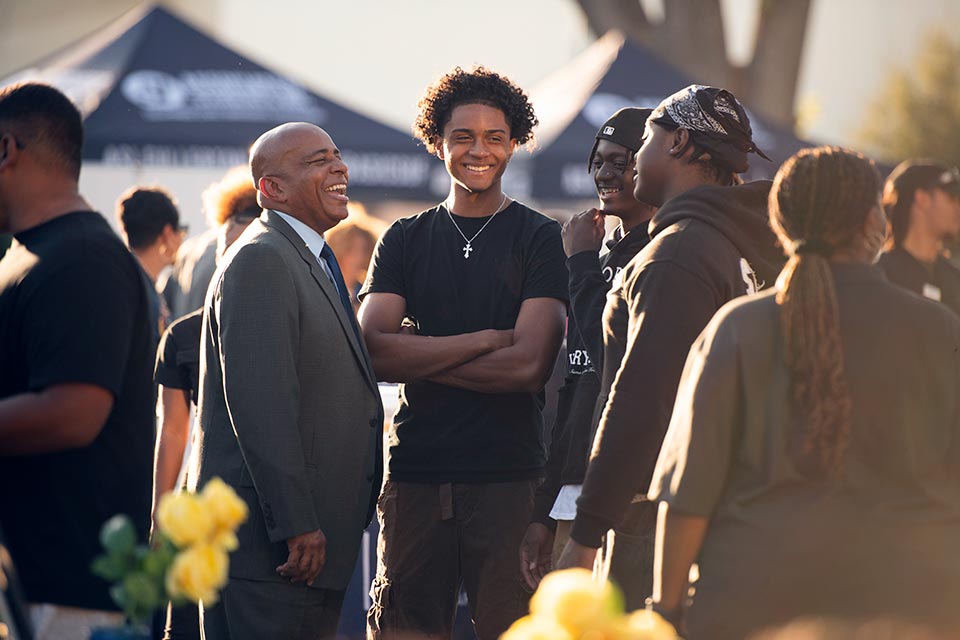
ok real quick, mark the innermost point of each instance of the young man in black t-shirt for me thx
(76, 419)
(922, 200)
(481, 282)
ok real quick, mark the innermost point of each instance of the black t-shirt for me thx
(178, 358)
(445, 434)
(73, 310)
(939, 281)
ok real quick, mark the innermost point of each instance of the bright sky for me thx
(378, 55)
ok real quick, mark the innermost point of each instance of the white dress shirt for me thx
(312, 239)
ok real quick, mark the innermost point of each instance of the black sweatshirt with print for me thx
(590, 279)
(708, 245)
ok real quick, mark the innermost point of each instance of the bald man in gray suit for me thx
(290, 415)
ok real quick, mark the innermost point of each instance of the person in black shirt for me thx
(76, 420)
(923, 202)
(710, 242)
(611, 163)
(481, 282)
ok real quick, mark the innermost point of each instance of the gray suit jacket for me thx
(290, 415)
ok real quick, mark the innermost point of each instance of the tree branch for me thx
(771, 77)
(625, 15)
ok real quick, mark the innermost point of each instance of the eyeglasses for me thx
(183, 228)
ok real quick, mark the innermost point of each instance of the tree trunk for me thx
(691, 38)
(772, 75)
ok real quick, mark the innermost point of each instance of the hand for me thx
(408, 327)
(308, 554)
(583, 232)
(576, 555)
(536, 551)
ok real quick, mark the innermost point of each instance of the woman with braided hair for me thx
(811, 465)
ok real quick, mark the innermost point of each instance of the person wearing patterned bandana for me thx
(710, 242)
(481, 281)
(591, 273)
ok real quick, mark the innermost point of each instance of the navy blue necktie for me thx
(326, 254)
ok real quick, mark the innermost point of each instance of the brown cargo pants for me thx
(435, 539)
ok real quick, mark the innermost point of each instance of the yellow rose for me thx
(533, 628)
(225, 539)
(647, 625)
(575, 601)
(184, 519)
(198, 573)
(228, 509)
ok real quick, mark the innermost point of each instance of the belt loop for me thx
(446, 501)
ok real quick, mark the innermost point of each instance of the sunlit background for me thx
(376, 57)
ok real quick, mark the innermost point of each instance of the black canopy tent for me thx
(156, 91)
(610, 74)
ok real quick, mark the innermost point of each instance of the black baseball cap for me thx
(624, 128)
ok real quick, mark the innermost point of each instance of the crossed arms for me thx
(488, 361)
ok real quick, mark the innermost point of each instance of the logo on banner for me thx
(244, 96)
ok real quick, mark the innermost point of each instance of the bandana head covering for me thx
(717, 123)
(624, 128)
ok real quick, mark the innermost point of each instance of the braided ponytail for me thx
(819, 202)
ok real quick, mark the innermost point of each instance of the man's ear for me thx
(679, 142)
(438, 146)
(270, 187)
(922, 198)
(9, 151)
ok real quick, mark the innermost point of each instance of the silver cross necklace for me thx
(467, 248)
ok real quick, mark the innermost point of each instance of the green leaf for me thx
(143, 591)
(157, 561)
(119, 596)
(109, 567)
(118, 535)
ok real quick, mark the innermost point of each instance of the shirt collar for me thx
(310, 237)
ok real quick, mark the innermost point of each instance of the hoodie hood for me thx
(738, 212)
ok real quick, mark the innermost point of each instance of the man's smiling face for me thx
(476, 146)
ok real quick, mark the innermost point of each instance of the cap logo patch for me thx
(608, 131)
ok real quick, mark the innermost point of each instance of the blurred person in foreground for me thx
(353, 241)
(232, 202)
(150, 225)
(290, 414)
(710, 242)
(592, 273)
(76, 414)
(482, 278)
(922, 200)
(811, 467)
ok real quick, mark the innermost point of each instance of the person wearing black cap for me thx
(923, 202)
(710, 242)
(610, 163)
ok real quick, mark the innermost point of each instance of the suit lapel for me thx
(274, 221)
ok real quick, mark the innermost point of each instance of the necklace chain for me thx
(467, 248)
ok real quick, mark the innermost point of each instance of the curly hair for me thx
(478, 86)
(819, 201)
(234, 193)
